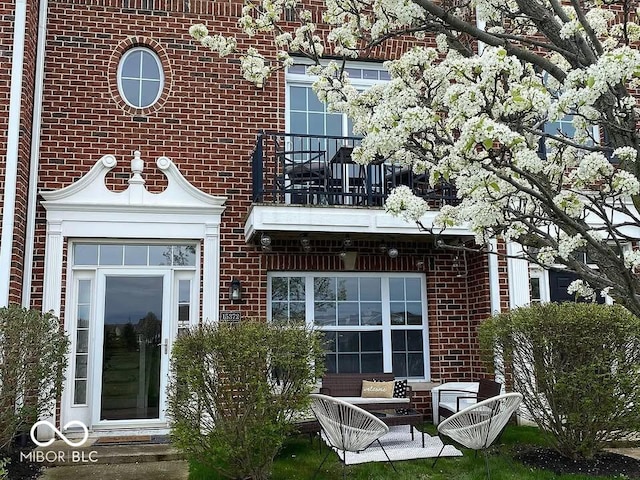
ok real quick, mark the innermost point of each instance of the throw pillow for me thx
(400, 389)
(377, 389)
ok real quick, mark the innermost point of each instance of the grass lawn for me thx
(298, 460)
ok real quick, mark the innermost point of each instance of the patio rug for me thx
(399, 446)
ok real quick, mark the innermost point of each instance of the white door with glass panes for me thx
(128, 303)
(371, 323)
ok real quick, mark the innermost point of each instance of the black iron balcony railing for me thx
(318, 170)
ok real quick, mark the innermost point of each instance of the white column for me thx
(211, 273)
(518, 273)
(494, 279)
(52, 290)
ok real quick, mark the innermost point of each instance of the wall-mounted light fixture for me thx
(304, 240)
(235, 290)
(347, 242)
(265, 240)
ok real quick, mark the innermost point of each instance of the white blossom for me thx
(403, 203)
(581, 289)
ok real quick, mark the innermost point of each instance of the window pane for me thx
(315, 105)
(83, 316)
(396, 288)
(370, 289)
(348, 288)
(80, 392)
(331, 363)
(296, 288)
(414, 313)
(348, 363)
(298, 98)
(81, 366)
(149, 92)
(398, 342)
(279, 311)
(150, 69)
(348, 342)
(111, 254)
(324, 288)
(131, 65)
(324, 313)
(316, 124)
(85, 254)
(84, 290)
(416, 365)
(400, 365)
(131, 91)
(82, 341)
(297, 312)
(371, 363)
(414, 340)
(370, 74)
(330, 341)
(279, 288)
(184, 255)
(184, 291)
(397, 313)
(348, 314)
(371, 313)
(159, 255)
(413, 289)
(298, 124)
(371, 341)
(334, 124)
(183, 313)
(135, 254)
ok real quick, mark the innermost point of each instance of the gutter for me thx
(13, 141)
(36, 126)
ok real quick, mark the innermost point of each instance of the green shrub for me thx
(234, 390)
(33, 356)
(578, 367)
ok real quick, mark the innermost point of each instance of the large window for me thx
(371, 323)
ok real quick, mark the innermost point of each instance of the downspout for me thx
(35, 155)
(13, 141)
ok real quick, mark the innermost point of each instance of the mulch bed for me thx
(604, 464)
(22, 469)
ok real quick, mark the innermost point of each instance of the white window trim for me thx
(386, 326)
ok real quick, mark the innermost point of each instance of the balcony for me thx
(311, 183)
(296, 169)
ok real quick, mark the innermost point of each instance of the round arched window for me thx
(140, 77)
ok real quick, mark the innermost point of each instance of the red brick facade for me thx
(206, 122)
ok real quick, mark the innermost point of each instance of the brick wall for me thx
(206, 122)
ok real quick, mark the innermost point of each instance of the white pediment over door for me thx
(88, 209)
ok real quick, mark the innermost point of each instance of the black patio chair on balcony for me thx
(302, 176)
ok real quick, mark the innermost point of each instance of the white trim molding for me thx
(88, 209)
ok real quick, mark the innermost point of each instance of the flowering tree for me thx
(474, 110)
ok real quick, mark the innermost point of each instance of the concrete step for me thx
(59, 453)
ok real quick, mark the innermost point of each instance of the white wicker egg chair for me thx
(477, 426)
(347, 427)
